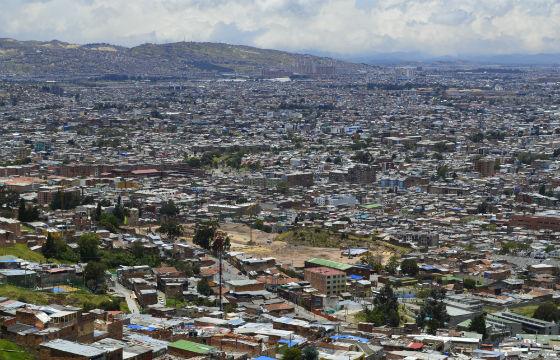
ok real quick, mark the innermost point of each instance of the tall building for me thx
(326, 280)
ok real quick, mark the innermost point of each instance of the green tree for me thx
(204, 233)
(387, 304)
(88, 247)
(478, 325)
(8, 198)
(98, 212)
(291, 353)
(109, 222)
(547, 312)
(193, 161)
(476, 137)
(171, 228)
(392, 265)
(119, 210)
(49, 247)
(469, 284)
(442, 171)
(27, 213)
(56, 248)
(220, 243)
(373, 261)
(433, 313)
(310, 353)
(169, 209)
(94, 276)
(409, 267)
(203, 287)
(282, 187)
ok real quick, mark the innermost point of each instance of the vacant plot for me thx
(296, 246)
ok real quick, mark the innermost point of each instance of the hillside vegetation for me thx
(80, 298)
(23, 252)
(63, 60)
(317, 237)
(12, 351)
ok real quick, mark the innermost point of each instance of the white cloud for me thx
(350, 27)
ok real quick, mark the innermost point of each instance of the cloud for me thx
(348, 27)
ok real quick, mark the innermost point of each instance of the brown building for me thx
(361, 174)
(536, 222)
(485, 166)
(46, 194)
(244, 285)
(66, 350)
(299, 179)
(11, 225)
(326, 280)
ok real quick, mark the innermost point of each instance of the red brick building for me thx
(326, 280)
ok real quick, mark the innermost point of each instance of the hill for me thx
(57, 59)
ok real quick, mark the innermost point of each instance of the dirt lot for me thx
(295, 255)
(264, 244)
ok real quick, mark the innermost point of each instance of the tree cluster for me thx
(386, 308)
(27, 213)
(433, 313)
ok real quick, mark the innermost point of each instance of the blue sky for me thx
(345, 27)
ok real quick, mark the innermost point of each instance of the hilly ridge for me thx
(57, 59)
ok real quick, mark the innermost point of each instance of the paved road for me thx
(128, 295)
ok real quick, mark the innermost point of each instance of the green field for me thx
(79, 298)
(527, 310)
(11, 351)
(316, 237)
(23, 252)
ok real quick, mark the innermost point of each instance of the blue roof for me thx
(427, 267)
(355, 277)
(235, 322)
(407, 296)
(262, 357)
(140, 327)
(350, 337)
(290, 343)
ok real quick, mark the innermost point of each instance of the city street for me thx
(129, 297)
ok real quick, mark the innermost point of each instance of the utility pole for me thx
(218, 247)
(220, 259)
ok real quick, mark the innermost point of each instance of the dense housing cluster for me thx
(300, 212)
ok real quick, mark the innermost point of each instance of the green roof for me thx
(329, 264)
(192, 347)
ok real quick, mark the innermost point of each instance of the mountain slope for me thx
(37, 59)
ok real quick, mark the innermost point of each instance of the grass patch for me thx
(316, 237)
(23, 252)
(27, 229)
(528, 310)
(12, 351)
(78, 298)
(175, 303)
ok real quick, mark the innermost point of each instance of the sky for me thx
(343, 27)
